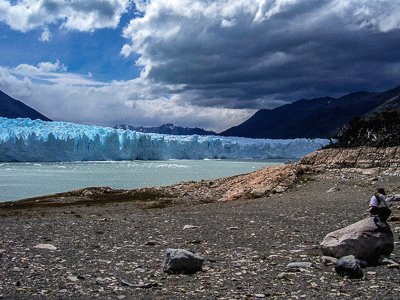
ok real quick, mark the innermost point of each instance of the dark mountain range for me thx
(380, 129)
(168, 129)
(11, 108)
(314, 118)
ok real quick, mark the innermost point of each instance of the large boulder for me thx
(182, 261)
(368, 240)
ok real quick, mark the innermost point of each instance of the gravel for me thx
(115, 250)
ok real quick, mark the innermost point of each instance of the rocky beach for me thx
(259, 235)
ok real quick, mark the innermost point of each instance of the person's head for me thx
(381, 191)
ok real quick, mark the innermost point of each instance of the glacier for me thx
(26, 140)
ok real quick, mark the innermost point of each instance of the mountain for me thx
(11, 108)
(168, 129)
(312, 118)
(380, 129)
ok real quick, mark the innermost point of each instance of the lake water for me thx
(23, 180)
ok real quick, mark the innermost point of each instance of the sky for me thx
(197, 63)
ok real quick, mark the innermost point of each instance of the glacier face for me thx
(35, 140)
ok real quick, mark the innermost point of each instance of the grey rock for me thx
(233, 228)
(393, 198)
(182, 261)
(299, 265)
(349, 266)
(190, 227)
(367, 240)
(45, 246)
(328, 260)
(72, 278)
(394, 266)
(387, 261)
(150, 243)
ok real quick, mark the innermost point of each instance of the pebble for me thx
(393, 266)
(233, 228)
(150, 243)
(194, 242)
(72, 278)
(299, 265)
(328, 260)
(45, 246)
(190, 227)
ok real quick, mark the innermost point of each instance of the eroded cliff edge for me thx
(385, 159)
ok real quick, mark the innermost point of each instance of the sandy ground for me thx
(246, 244)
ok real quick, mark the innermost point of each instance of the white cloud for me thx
(228, 23)
(52, 74)
(126, 50)
(51, 67)
(81, 15)
(45, 36)
(61, 95)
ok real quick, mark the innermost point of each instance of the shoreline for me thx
(36, 180)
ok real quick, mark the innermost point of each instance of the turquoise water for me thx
(23, 180)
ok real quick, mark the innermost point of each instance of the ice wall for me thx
(36, 140)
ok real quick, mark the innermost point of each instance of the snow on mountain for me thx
(168, 129)
(36, 140)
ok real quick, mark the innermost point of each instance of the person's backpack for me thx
(384, 213)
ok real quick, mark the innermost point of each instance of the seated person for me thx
(375, 205)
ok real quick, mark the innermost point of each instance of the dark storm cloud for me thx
(258, 53)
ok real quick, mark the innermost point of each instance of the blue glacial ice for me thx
(35, 140)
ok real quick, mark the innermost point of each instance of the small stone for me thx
(72, 278)
(349, 266)
(150, 243)
(194, 242)
(233, 228)
(182, 261)
(299, 265)
(45, 246)
(328, 260)
(259, 296)
(190, 227)
(282, 275)
(393, 266)
(211, 259)
(387, 261)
